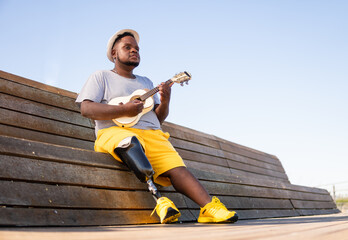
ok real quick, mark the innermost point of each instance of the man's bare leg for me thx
(184, 182)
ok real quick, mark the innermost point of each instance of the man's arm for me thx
(162, 110)
(100, 111)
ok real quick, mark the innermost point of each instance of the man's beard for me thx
(128, 63)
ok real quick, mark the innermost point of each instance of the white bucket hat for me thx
(113, 38)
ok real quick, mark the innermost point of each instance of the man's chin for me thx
(134, 64)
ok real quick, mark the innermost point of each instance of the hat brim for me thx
(113, 38)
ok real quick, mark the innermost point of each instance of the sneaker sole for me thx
(172, 216)
(213, 220)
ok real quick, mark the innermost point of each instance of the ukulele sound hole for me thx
(136, 98)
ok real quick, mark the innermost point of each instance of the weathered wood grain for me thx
(35, 84)
(79, 217)
(44, 151)
(35, 93)
(43, 110)
(50, 175)
(26, 121)
(24, 194)
(72, 156)
(298, 204)
(18, 132)
(333, 226)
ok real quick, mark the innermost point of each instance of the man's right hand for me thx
(133, 107)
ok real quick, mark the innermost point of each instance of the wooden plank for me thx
(334, 226)
(229, 171)
(38, 95)
(308, 189)
(329, 231)
(19, 132)
(252, 162)
(205, 175)
(45, 125)
(201, 139)
(257, 170)
(240, 186)
(216, 188)
(199, 157)
(260, 213)
(190, 135)
(257, 176)
(257, 214)
(310, 196)
(90, 158)
(43, 195)
(42, 110)
(215, 153)
(14, 193)
(255, 203)
(248, 203)
(210, 140)
(313, 204)
(67, 156)
(178, 143)
(306, 212)
(177, 129)
(44, 151)
(195, 156)
(96, 177)
(248, 153)
(41, 171)
(35, 84)
(37, 170)
(208, 167)
(33, 149)
(78, 217)
(245, 148)
(60, 173)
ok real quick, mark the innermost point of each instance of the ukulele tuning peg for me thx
(182, 84)
(186, 82)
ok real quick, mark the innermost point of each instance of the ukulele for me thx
(146, 97)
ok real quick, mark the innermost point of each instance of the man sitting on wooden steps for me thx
(143, 148)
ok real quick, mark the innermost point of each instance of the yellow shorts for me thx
(157, 148)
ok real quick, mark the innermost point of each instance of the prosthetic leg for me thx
(131, 153)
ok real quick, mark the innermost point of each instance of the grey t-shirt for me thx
(104, 85)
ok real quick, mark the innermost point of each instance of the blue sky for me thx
(271, 75)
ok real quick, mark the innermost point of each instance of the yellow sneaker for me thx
(216, 212)
(166, 210)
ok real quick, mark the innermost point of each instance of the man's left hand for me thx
(164, 92)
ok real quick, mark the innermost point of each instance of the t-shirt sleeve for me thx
(93, 89)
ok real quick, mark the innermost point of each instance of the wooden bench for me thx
(50, 175)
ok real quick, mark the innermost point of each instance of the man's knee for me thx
(177, 171)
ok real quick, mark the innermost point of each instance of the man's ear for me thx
(114, 54)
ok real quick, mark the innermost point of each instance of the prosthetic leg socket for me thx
(131, 153)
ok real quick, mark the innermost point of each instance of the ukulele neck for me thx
(153, 91)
